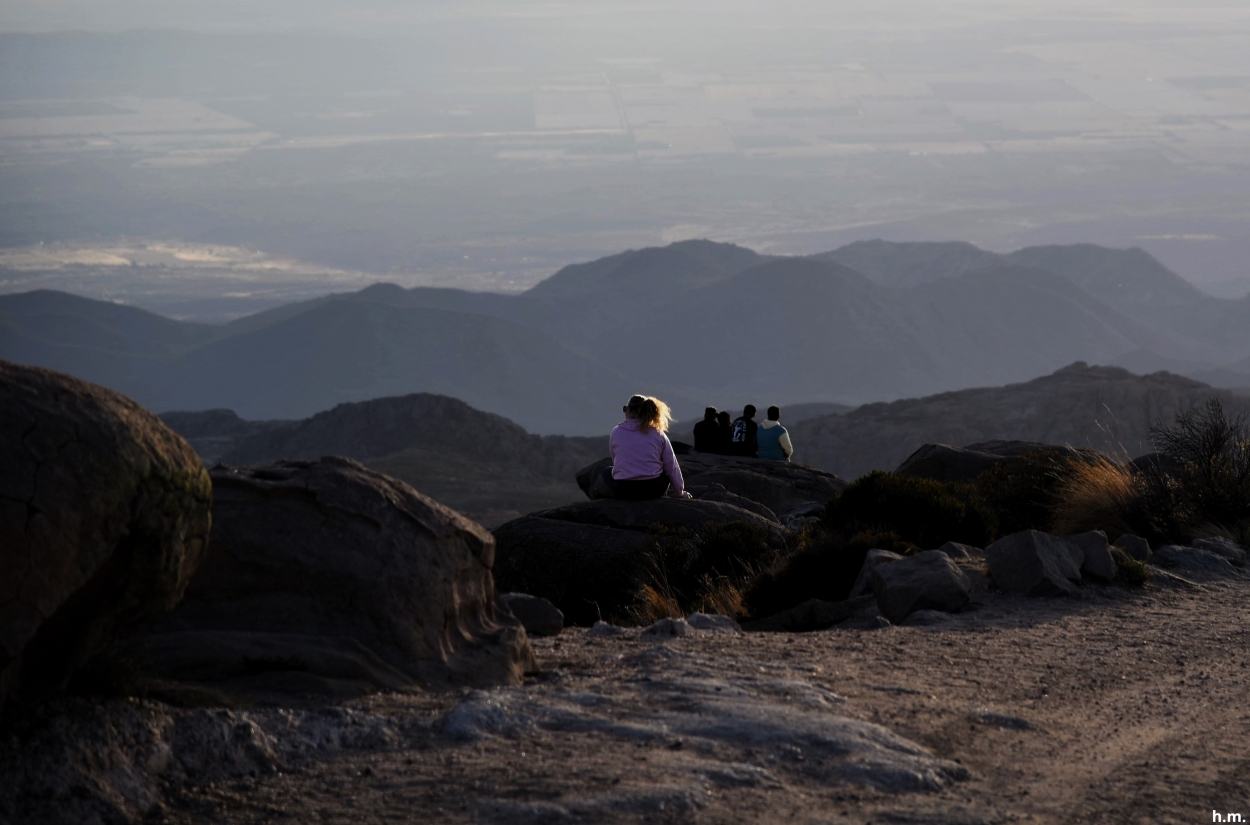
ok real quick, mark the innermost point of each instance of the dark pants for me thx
(640, 489)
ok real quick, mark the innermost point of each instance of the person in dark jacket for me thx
(774, 439)
(706, 432)
(724, 433)
(745, 441)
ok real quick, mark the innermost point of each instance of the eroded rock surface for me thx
(104, 516)
(327, 577)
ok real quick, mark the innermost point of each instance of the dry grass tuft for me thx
(720, 595)
(655, 602)
(1100, 495)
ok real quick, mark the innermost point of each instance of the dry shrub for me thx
(1130, 570)
(1100, 495)
(704, 569)
(655, 602)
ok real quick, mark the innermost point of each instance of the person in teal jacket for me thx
(774, 439)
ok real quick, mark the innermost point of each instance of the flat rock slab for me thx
(1225, 548)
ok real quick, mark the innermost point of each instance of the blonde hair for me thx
(652, 413)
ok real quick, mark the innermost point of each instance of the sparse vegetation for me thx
(921, 511)
(705, 569)
(1023, 494)
(823, 565)
(1128, 569)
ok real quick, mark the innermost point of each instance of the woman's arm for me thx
(671, 468)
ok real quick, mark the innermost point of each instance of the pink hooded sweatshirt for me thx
(639, 455)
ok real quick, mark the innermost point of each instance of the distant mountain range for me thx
(696, 322)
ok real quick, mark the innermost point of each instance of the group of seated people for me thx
(743, 437)
(644, 465)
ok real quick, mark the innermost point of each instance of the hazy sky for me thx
(386, 15)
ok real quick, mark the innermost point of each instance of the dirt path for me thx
(1121, 706)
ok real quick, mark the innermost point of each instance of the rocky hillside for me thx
(1105, 408)
(473, 461)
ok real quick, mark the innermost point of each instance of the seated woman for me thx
(643, 463)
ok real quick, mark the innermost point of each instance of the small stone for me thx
(714, 622)
(667, 629)
(602, 628)
(874, 559)
(1196, 564)
(1136, 546)
(1096, 555)
(538, 616)
(1224, 548)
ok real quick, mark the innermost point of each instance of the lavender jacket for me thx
(637, 454)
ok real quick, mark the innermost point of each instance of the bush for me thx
(921, 511)
(1023, 494)
(823, 565)
(704, 569)
(1209, 480)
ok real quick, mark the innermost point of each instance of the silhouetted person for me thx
(774, 439)
(745, 442)
(724, 433)
(705, 432)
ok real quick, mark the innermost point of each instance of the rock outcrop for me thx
(327, 577)
(104, 516)
(925, 581)
(1035, 564)
(587, 558)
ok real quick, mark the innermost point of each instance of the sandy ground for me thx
(1119, 706)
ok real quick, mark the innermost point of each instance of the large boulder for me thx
(1035, 564)
(942, 462)
(104, 516)
(588, 558)
(328, 577)
(1096, 560)
(781, 486)
(925, 581)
